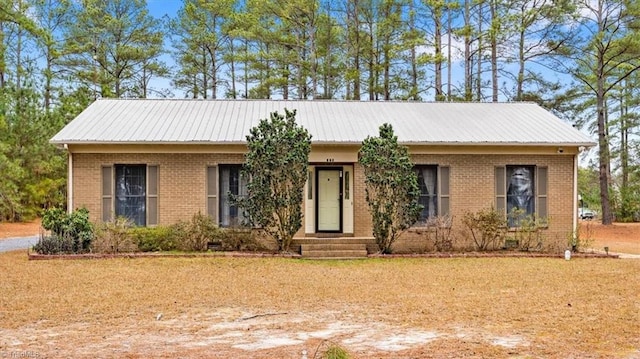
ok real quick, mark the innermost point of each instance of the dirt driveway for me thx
(618, 237)
(14, 230)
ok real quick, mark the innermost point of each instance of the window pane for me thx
(520, 193)
(131, 192)
(310, 185)
(427, 181)
(231, 183)
(107, 198)
(346, 185)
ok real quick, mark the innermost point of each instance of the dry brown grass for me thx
(215, 307)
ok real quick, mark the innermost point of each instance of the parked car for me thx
(586, 213)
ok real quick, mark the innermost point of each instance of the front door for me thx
(329, 205)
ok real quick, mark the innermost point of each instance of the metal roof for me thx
(334, 122)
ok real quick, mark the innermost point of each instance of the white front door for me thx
(329, 200)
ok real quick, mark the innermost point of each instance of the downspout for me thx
(575, 195)
(69, 181)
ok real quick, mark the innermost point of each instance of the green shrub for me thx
(154, 239)
(330, 350)
(70, 232)
(336, 352)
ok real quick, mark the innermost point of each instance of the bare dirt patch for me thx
(275, 307)
(619, 237)
(19, 229)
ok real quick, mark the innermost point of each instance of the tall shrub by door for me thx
(276, 171)
(391, 186)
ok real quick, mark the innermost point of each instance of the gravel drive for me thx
(12, 244)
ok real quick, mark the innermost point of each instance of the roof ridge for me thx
(315, 100)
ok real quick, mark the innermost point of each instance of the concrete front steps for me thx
(334, 251)
(332, 248)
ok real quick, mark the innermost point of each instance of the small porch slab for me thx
(334, 247)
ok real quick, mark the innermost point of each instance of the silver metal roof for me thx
(228, 121)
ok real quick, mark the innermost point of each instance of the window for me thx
(521, 189)
(231, 183)
(434, 191)
(130, 191)
(428, 183)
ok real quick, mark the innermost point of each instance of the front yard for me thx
(256, 307)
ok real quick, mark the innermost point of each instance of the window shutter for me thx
(152, 195)
(542, 209)
(444, 191)
(107, 193)
(212, 192)
(501, 190)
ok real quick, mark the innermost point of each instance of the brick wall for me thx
(182, 186)
(472, 188)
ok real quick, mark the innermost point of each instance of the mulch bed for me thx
(498, 254)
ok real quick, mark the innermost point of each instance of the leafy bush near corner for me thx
(70, 232)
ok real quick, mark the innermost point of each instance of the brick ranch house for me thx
(160, 161)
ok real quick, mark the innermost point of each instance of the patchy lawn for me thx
(267, 308)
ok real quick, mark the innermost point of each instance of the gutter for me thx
(334, 143)
(69, 181)
(575, 196)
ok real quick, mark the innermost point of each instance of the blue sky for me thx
(159, 8)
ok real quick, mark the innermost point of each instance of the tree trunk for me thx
(205, 75)
(413, 92)
(467, 52)
(353, 49)
(437, 22)
(3, 63)
(604, 156)
(480, 49)
(449, 53)
(624, 137)
(371, 64)
(214, 75)
(246, 68)
(494, 50)
(232, 67)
